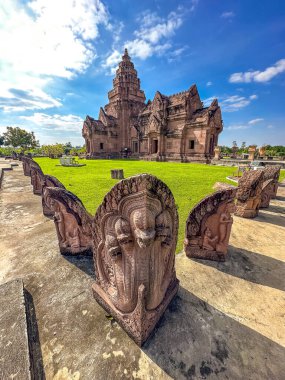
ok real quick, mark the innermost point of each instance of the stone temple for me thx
(168, 128)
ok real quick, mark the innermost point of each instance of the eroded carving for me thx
(37, 178)
(249, 194)
(49, 181)
(208, 226)
(267, 192)
(135, 235)
(72, 221)
(272, 172)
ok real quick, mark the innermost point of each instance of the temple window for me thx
(191, 144)
(101, 146)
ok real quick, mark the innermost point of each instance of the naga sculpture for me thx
(135, 235)
(268, 188)
(249, 194)
(272, 172)
(208, 226)
(72, 221)
(37, 178)
(49, 181)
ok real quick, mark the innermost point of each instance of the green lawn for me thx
(189, 183)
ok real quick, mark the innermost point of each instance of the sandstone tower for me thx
(175, 127)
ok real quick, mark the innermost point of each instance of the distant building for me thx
(175, 127)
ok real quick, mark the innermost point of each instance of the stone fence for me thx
(133, 237)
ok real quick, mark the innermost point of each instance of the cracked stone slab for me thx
(14, 359)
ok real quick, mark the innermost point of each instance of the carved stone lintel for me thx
(49, 181)
(208, 226)
(135, 235)
(72, 221)
(249, 194)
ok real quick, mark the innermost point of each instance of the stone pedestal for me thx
(251, 152)
(217, 151)
(117, 174)
(261, 151)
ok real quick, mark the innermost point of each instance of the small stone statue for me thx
(249, 194)
(135, 234)
(49, 181)
(72, 221)
(208, 226)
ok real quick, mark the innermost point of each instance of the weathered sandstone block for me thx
(272, 172)
(135, 235)
(267, 193)
(117, 173)
(37, 178)
(249, 194)
(72, 221)
(49, 181)
(208, 226)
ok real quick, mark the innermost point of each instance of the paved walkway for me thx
(227, 321)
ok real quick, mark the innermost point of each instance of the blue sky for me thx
(58, 59)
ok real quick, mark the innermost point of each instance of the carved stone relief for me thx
(268, 187)
(135, 235)
(249, 194)
(208, 226)
(49, 181)
(272, 172)
(72, 221)
(37, 178)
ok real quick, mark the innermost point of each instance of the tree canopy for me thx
(20, 138)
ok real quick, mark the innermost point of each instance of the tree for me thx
(19, 138)
(67, 148)
(55, 150)
(1, 140)
(234, 144)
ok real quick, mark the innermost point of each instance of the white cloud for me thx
(270, 126)
(259, 76)
(230, 103)
(255, 121)
(235, 102)
(152, 38)
(228, 15)
(56, 122)
(208, 84)
(45, 39)
(235, 127)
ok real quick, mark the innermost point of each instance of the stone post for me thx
(234, 154)
(251, 151)
(117, 173)
(217, 151)
(261, 151)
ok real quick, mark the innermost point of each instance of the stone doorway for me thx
(154, 146)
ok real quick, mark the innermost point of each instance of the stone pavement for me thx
(227, 321)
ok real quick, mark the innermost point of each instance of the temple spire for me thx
(126, 56)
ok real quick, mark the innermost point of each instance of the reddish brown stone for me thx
(208, 226)
(175, 127)
(266, 193)
(49, 181)
(37, 178)
(72, 221)
(249, 194)
(135, 234)
(272, 172)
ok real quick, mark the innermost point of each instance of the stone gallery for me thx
(176, 127)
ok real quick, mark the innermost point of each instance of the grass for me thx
(189, 183)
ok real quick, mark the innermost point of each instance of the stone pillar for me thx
(261, 151)
(251, 151)
(217, 151)
(234, 149)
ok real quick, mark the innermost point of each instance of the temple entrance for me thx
(154, 146)
(135, 147)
